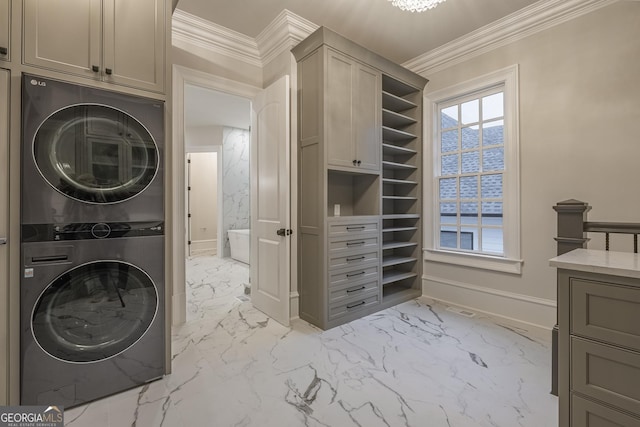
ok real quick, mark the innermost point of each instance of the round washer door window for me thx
(95, 154)
(94, 311)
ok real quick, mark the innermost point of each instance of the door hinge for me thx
(189, 242)
(189, 188)
(188, 215)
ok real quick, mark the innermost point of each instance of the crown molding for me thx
(537, 17)
(282, 34)
(190, 29)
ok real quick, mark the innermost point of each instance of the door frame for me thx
(181, 77)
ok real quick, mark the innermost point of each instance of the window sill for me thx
(485, 262)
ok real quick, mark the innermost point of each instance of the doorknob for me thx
(284, 232)
(3, 241)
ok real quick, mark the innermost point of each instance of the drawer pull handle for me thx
(355, 274)
(356, 290)
(4, 51)
(356, 243)
(355, 259)
(349, 307)
(360, 227)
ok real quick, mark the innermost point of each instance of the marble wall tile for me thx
(236, 144)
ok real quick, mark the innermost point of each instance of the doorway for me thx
(217, 145)
(272, 281)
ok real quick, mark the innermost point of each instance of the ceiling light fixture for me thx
(416, 5)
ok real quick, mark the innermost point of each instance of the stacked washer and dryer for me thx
(92, 242)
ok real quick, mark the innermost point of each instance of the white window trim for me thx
(510, 262)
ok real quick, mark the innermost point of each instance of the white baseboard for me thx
(294, 305)
(520, 309)
(199, 246)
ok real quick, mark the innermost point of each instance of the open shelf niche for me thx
(356, 194)
(401, 189)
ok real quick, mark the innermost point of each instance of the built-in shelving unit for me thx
(401, 183)
(359, 183)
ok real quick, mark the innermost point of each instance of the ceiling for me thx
(375, 24)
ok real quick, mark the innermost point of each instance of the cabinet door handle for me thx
(356, 243)
(355, 162)
(356, 290)
(355, 259)
(359, 162)
(3, 50)
(3, 240)
(355, 274)
(108, 71)
(95, 68)
(355, 305)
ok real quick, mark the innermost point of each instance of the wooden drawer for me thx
(345, 243)
(606, 312)
(353, 291)
(355, 260)
(341, 277)
(586, 413)
(349, 229)
(606, 373)
(338, 310)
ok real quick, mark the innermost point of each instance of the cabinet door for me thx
(134, 43)
(338, 110)
(5, 29)
(367, 117)
(4, 220)
(63, 35)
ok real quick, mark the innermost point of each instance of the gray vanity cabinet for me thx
(360, 236)
(5, 29)
(115, 41)
(353, 114)
(599, 349)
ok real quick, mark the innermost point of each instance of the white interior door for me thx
(271, 201)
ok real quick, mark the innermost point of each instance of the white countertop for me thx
(624, 264)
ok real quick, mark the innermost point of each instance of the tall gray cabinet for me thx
(360, 152)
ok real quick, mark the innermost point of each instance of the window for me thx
(474, 167)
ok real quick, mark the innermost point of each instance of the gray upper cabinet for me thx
(352, 114)
(115, 41)
(5, 29)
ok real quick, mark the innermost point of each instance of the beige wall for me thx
(203, 198)
(579, 120)
(202, 138)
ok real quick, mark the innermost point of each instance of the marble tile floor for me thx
(416, 364)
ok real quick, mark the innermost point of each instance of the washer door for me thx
(95, 154)
(94, 311)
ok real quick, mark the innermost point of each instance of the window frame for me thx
(510, 262)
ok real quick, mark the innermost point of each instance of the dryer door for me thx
(95, 154)
(94, 311)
